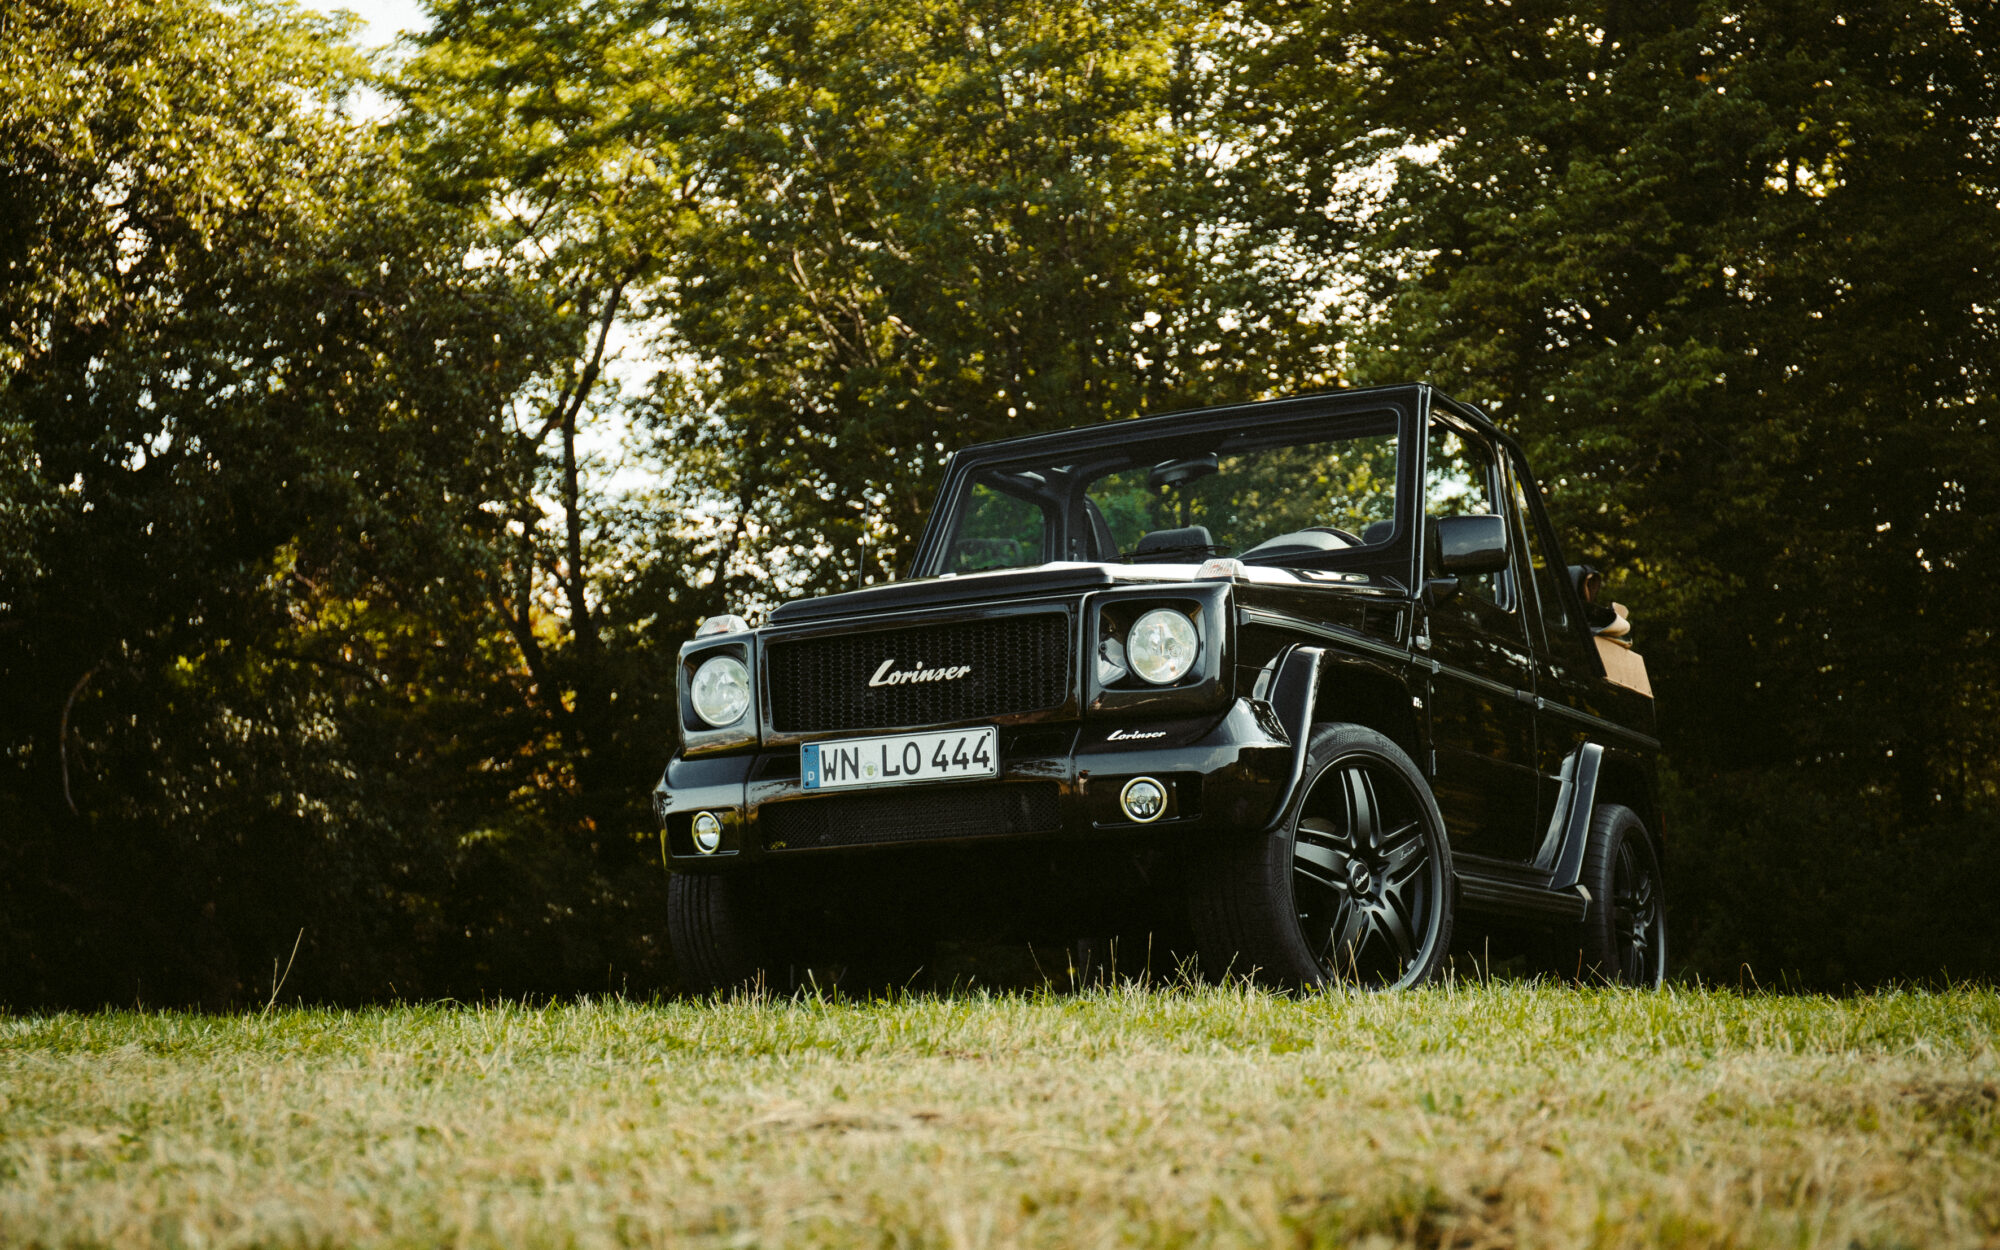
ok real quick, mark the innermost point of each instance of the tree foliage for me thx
(253, 395)
(935, 223)
(543, 123)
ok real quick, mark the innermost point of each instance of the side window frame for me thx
(1521, 565)
(1507, 594)
(1569, 643)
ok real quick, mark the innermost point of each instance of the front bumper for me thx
(1227, 771)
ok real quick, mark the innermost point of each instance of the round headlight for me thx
(720, 691)
(1162, 646)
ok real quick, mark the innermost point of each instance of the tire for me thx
(1623, 939)
(710, 927)
(1357, 891)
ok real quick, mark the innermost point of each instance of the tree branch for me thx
(570, 401)
(580, 622)
(546, 691)
(62, 732)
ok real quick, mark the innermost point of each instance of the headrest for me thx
(1187, 537)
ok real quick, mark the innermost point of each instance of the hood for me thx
(1056, 578)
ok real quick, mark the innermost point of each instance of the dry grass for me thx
(1505, 1115)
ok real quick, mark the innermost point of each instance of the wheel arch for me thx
(1628, 779)
(1315, 684)
(1357, 691)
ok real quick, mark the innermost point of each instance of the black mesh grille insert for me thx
(1018, 664)
(916, 814)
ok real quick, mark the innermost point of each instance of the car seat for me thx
(1174, 546)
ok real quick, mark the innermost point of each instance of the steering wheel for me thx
(1307, 539)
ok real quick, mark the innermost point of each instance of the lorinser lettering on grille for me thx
(903, 677)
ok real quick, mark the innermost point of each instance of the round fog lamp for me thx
(707, 833)
(1143, 799)
(1162, 646)
(720, 691)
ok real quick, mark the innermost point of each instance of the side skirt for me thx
(1500, 896)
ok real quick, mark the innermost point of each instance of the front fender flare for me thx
(1293, 694)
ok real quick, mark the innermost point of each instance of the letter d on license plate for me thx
(947, 756)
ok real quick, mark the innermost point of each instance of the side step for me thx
(1512, 898)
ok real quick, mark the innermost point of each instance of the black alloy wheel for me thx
(1624, 938)
(1358, 891)
(1364, 881)
(1635, 915)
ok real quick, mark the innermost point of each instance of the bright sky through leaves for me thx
(385, 18)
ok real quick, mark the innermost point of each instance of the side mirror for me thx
(1471, 545)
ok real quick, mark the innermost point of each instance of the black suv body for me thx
(1308, 677)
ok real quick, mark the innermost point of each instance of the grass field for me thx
(1504, 1115)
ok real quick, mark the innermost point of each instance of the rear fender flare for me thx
(1584, 770)
(1600, 774)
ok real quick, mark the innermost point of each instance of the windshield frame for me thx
(1092, 450)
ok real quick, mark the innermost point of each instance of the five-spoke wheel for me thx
(1363, 877)
(1356, 891)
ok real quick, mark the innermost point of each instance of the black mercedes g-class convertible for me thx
(1298, 680)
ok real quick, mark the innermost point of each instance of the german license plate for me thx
(946, 756)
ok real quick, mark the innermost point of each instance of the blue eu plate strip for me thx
(811, 766)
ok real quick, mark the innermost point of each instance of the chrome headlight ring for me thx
(1162, 646)
(720, 691)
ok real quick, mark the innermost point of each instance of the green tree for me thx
(551, 126)
(931, 224)
(254, 405)
(852, 237)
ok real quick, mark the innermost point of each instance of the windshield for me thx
(1306, 498)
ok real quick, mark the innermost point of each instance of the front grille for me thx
(913, 815)
(1018, 663)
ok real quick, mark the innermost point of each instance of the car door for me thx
(1567, 670)
(1482, 716)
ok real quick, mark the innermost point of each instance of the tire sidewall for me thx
(716, 945)
(1611, 827)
